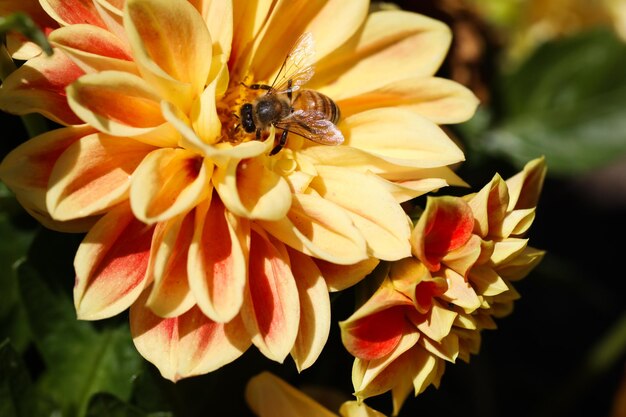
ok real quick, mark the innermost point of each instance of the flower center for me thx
(229, 111)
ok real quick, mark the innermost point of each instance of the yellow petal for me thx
(314, 311)
(187, 345)
(438, 323)
(319, 228)
(171, 45)
(93, 49)
(271, 309)
(525, 187)
(170, 295)
(115, 102)
(169, 182)
(39, 86)
(111, 264)
(518, 267)
(249, 189)
(437, 99)
(270, 396)
(340, 277)
(204, 118)
(507, 250)
(218, 261)
(218, 16)
(460, 292)
(400, 137)
(93, 175)
(487, 282)
(373, 210)
(248, 19)
(447, 349)
(391, 46)
(358, 409)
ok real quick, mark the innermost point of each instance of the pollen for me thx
(228, 108)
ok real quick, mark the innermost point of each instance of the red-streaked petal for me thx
(115, 102)
(170, 295)
(271, 309)
(217, 261)
(93, 175)
(314, 311)
(445, 225)
(187, 345)
(111, 264)
(71, 12)
(169, 182)
(172, 47)
(39, 86)
(93, 49)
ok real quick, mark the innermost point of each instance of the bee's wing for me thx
(312, 125)
(297, 66)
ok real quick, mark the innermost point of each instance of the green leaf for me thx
(567, 102)
(79, 359)
(18, 397)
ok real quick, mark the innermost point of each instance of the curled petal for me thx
(217, 261)
(376, 328)
(270, 396)
(93, 49)
(39, 86)
(271, 309)
(518, 267)
(93, 175)
(358, 409)
(218, 16)
(489, 207)
(487, 282)
(460, 292)
(249, 189)
(401, 137)
(445, 225)
(170, 295)
(204, 118)
(314, 311)
(111, 264)
(340, 277)
(415, 44)
(169, 182)
(115, 102)
(71, 12)
(187, 345)
(319, 228)
(372, 208)
(171, 45)
(525, 187)
(437, 99)
(26, 169)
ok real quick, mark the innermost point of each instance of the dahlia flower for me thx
(269, 396)
(212, 240)
(431, 307)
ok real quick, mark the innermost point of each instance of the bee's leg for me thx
(281, 143)
(258, 134)
(257, 86)
(289, 84)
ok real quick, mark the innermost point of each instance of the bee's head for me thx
(246, 118)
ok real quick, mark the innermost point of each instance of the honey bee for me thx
(287, 106)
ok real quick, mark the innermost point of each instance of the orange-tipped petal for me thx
(249, 189)
(445, 225)
(319, 228)
(169, 182)
(93, 49)
(437, 99)
(314, 311)
(93, 175)
(340, 277)
(372, 208)
(111, 264)
(170, 295)
(71, 12)
(172, 47)
(271, 309)
(270, 396)
(115, 102)
(187, 345)
(415, 142)
(39, 86)
(217, 261)
(415, 44)
(26, 170)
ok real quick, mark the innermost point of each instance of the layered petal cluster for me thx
(269, 396)
(212, 241)
(18, 45)
(431, 307)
